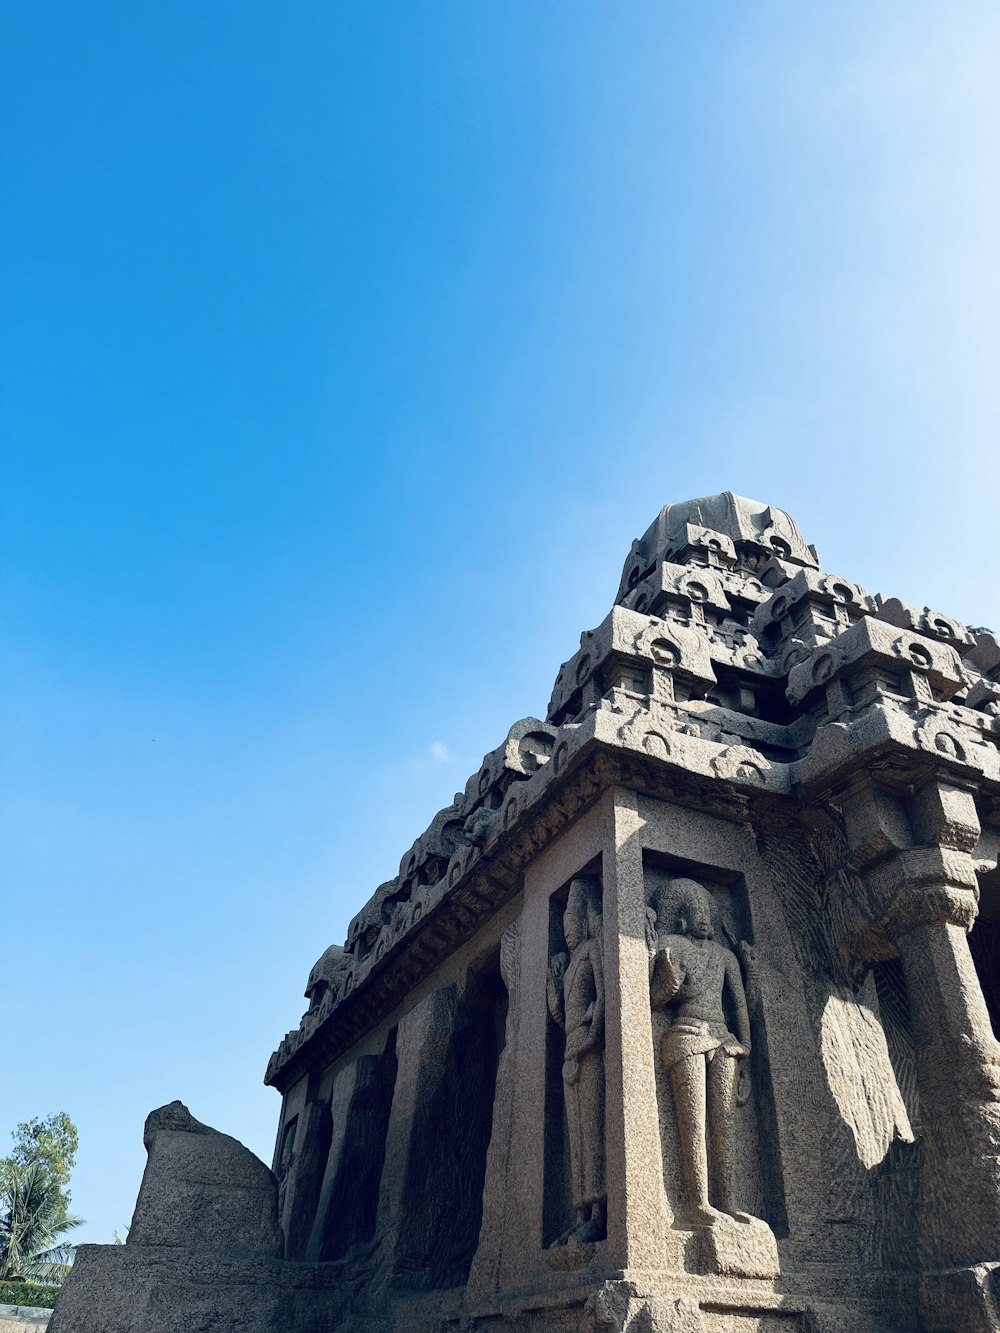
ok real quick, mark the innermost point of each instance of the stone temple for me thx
(682, 1016)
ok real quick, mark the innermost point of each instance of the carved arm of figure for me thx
(734, 979)
(590, 1033)
(651, 939)
(597, 1017)
(667, 979)
(554, 989)
(751, 970)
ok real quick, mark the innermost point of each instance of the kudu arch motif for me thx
(671, 1020)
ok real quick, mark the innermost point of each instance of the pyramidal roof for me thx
(731, 671)
(756, 531)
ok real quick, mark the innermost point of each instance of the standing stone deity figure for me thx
(693, 973)
(576, 1002)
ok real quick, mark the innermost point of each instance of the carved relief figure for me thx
(691, 972)
(576, 1002)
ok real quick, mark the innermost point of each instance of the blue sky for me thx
(345, 349)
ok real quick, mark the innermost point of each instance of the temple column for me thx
(422, 1045)
(958, 1064)
(637, 1208)
(930, 897)
(496, 1236)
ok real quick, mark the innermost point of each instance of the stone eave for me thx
(641, 748)
(471, 892)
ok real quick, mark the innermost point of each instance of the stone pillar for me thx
(637, 1208)
(928, 895)
(486, 1273)
(422, 1051)
(300, 1171)
(338, 1109)
(946, 1002)
(958, 1063)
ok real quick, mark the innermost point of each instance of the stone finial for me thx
(755, 531)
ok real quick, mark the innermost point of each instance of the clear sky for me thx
(345, 348)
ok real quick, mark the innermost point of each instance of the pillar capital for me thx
(923, 886)
(915, 852)
(943, 813)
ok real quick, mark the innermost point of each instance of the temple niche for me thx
(577, 1192)
(682, 1016)
(709, 1087)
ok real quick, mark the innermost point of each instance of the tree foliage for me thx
(34, 1201)
(52, 1141)
(28, 1293)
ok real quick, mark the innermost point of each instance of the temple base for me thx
(735, 1249)
(122, 1289)
(961, 1298)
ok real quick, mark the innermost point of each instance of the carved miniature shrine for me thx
(681, 1017)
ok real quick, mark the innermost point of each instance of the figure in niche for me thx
(576, 1002)
(691, 972)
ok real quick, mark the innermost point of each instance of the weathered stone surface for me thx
(203, 1191)
(682, 1015)
(204, 1238)
(738, 1247)
(160, 1289)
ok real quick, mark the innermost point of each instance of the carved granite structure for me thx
(682, 1016)
(576, 1002)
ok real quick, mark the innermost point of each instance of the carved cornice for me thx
(734, 676)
